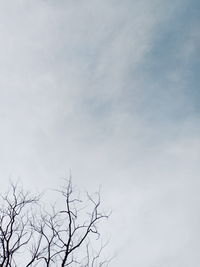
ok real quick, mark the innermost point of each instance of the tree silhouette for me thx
(65, 234)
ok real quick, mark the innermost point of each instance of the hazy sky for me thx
(109, 89)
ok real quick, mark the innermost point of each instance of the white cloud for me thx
(71, 97)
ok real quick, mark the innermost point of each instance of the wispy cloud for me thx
(109, 89)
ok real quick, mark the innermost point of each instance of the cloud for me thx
(108, 89)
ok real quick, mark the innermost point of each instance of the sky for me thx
(109, 90)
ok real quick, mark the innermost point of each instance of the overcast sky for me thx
(110, 90)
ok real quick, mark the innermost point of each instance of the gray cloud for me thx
(106, 88)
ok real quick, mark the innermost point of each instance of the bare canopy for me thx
(64, 234)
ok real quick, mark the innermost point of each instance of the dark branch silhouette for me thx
(62, 235)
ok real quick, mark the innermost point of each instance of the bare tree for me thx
(14, 222)
(66, 234)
